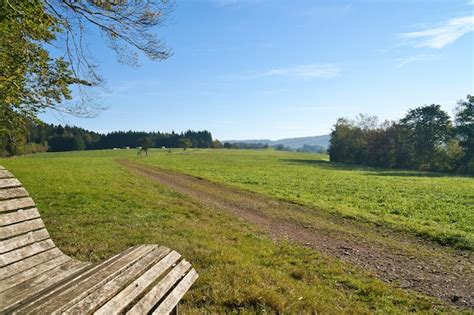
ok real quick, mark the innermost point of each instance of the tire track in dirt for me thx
(397, 258)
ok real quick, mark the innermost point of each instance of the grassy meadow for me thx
(432, 205)
(95, 207)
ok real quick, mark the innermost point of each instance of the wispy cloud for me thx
(308, 71)
(404, 61)
(444, 34)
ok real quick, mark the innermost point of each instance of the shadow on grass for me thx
(371, 171)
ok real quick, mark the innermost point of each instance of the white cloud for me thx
(404, 61)
(308, 71)
(439, 36)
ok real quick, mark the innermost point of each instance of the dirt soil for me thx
(403, 260)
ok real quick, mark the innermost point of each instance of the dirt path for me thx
(403, 260)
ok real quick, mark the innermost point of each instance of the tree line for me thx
(42, 137)
(425, 139)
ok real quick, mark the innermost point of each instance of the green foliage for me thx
(464, 121)
(32, 148)
(145, 143)
(66, 142)
(312, 148)
(216, 144)
(430, 129)
(94, 208)
(30, 79)
(70, 138)
(244, 145)
(423, 140)
(184, 143)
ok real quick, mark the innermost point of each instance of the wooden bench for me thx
(36, 277)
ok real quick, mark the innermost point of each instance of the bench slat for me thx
(98, 297)
(16, 192)
(28, 263)
(9, 182)
(25, 252)
(35, 285)
(167, 305)
(77, 290)
(19, 216)
(149, 301)
(15, 204)
(23, 240)
(5, 174)
(123, 299)
(64, 284)
(20, 228)
(29, 274)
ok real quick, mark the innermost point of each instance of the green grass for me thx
(435, 206)
(94, 207)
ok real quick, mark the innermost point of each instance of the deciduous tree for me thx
(32, 79)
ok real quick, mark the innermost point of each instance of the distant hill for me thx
(294, 143)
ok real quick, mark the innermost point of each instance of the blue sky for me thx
(247, 69)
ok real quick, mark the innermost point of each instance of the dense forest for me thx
(425, 139)
(42, 137)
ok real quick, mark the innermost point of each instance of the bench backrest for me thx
(22, 231)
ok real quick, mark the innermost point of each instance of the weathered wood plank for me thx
(29, 274)
(23, 240)
(16, 192)
(123, 299)
(19, 216)
(20, 228)
(5, 174)
(98, 297)
(15, 204)
(75, 291)
(63, 285)
(35, 285)
(9, 182)
(25, 252)
(167, 305)
(31, 289)
(25, 264)
(150, 299)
